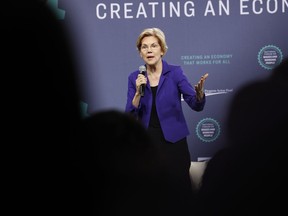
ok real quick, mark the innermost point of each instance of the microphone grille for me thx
(142, 68)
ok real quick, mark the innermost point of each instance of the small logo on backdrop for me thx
(208, 130)
(210, 92)
(270, 56)
(213, 92)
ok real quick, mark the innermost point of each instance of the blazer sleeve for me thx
(188, 92)
(130, 95)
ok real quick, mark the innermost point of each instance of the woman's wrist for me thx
(200, 95)
(137, 94)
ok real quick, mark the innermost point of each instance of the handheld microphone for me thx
(142, 70)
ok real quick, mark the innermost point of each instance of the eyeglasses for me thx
(153, 46)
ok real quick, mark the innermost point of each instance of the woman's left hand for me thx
(199, 87)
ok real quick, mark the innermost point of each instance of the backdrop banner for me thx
(236, 42)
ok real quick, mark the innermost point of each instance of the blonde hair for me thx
(156, 32)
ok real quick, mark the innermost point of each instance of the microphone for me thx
(142, 70)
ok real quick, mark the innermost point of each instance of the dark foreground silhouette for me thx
(249, 176)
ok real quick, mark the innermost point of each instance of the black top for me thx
(154, 120)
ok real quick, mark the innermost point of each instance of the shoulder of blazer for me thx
(170, 67)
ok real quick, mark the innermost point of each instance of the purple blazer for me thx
(173, 82)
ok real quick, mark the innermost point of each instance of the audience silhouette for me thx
(248, 176)
(126, 171)
(41, 108)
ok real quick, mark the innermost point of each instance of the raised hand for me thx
(199, 87)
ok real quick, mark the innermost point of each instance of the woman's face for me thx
(151, 51)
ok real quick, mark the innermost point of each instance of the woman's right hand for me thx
(141, 79)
